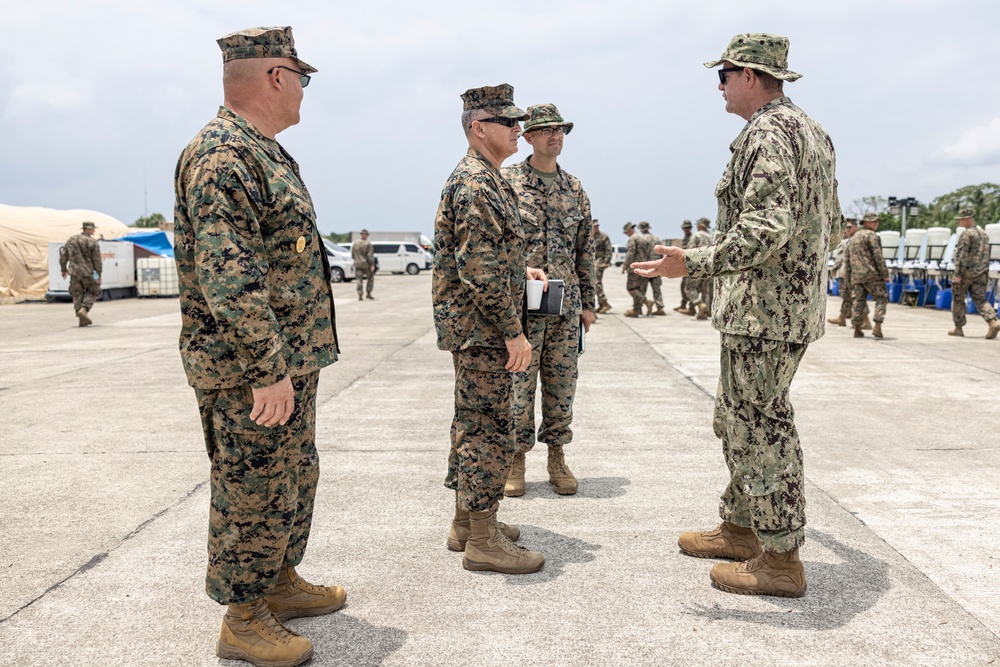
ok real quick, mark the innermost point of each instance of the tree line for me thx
(984, 199)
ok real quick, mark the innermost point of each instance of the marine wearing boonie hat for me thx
(545, 115)
(965, 212)
(498, 100)
(273, 42)
(643, 226)
(759, 51)
(686, 224)
(704, 222)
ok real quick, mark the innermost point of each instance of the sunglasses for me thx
(722, 73)
(506, 122)
(303, 77)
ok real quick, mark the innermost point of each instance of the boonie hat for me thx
(704, 222)
(643, 225)
(686, 224)
(498, 100)
(965, 212)
(274, 42)
(628, 226)
(544, 115)
(760, 51)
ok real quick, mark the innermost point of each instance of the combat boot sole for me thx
(227, 652)
(994, 330)
(747, 591)
(529, 566)
(766, 574)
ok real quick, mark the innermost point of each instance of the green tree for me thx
(339, 238)
(153, 220)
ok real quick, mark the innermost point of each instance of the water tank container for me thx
(913, 241)
(937, 241)
(993, 231)
(890, 244)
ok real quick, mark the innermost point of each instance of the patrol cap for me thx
(628, 226)
(851, 222)
(498, 100)
(364, 231)
(594, 222)
(965, 212)
(89, 225)
(686, 224)
(643, 226)
(274, 42)
(704, 222)
(760, 51)
(544, 115)
(870, 217)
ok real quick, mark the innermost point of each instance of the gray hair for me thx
(471, 115)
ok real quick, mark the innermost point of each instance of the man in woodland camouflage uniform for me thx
(972, 264)
(865, 271)
(603, 253)
(363, 255)
(683, 308)
(555, 217)
(698, 291)
(636, 285)
(258, 324)
(477, 290)
(778, 215)
(649, 242)
(80, 257)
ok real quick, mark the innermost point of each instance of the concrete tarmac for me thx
(104, 499)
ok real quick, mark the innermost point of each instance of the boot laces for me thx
(754, 563)
(504, 543)
(269, 624)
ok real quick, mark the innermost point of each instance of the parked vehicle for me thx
(400, 257)
(341, 264)
(617, 255)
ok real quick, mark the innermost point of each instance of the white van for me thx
(400, 257)
(341, 264)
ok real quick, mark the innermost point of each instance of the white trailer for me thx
(117, 272)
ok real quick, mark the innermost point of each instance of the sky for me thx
(98, 98)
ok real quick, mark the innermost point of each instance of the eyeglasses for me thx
(303, 77)
(549, 131)
(506, 122)
(722, 73)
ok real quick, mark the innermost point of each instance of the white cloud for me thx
(977, 146)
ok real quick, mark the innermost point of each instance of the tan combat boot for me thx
(649, 307)
(727, 540)
(840, 321)
(292, 597)
(993, 330)
(660, 311)
(605, 308)
(489, 550)
(957, 331)
(84, 317)
(702, 312)
(867, 324)
(877, 331)
(515, 480)
(858, 333)
(631, 313)
(361, 298)
(560, 477)
(458, 534)
(688, 311)
(251, 632)
(681, 308)
(770, 573)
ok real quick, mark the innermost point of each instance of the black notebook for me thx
(552, 299)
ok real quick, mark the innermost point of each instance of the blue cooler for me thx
(895, 291)
(943, 299)
(931, 298)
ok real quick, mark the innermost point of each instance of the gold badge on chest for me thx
(300, 245)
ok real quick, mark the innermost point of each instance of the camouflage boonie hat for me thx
(544, 115)
(870, 217)
(760, 51)
(965, 212)
(498, 100)
(628, 226)
(686, 224)
(644, 226)
(704, 222)
(276, 42)
(89, 225)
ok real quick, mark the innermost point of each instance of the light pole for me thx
(904, 205)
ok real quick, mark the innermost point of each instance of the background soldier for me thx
(602, 260)
(363, 254)
(699, 290)
(555, 212)
(81, 258)
(650, 241)
(778, 215)
(478, 293)
(837, 271)
(636, 284)
(686, 228)
(972, 263)
(865, 271)
(252, 348)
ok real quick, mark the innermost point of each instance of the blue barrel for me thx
(943, 300)
(834, 288)
(895, 291)
(932, 291)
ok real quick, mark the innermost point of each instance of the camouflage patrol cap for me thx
(870, 217)
(364, 231)
(594, 222)
(965, 212)
(851, 222)
(628, 226)
(275, 42)
(544, 115)
(704, 222)
(498, 100)
(760, 51)
(644, 226)
(89, 225)
(686, 224)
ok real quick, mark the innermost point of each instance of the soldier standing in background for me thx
(478, 293)
(258, 324)
(80, 257)
(838, 271)
(683, 308)
(972, 263)
(636, 284)
(603, 253)
(650, 241)
(865, 271)
(699, 290)
(363, 254)
(778, 216)
(555, 217)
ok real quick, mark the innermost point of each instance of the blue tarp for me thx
(156, 242)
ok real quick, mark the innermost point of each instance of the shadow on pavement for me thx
(589, 487)
(837, 592)
(342, 640)
(559, 550)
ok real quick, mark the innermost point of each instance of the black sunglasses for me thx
(303, 77)
(506, 122)
(722, 73)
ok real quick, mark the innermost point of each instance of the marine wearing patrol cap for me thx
(89, 225)
(870, 217)
(628, 226)
(498, 100)
(545, 115)
(760, 51)
(965, 212)
(274, 42)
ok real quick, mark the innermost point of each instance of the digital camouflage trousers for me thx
(84, 290)
(599, 282)
(636, 286)
(859, 295)
(482, 430)
(263, 489)
(975, 287)
(755, 421)
(555, 344)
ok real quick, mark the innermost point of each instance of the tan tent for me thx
(25, 233)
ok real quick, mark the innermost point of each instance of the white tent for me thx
(25, 232)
